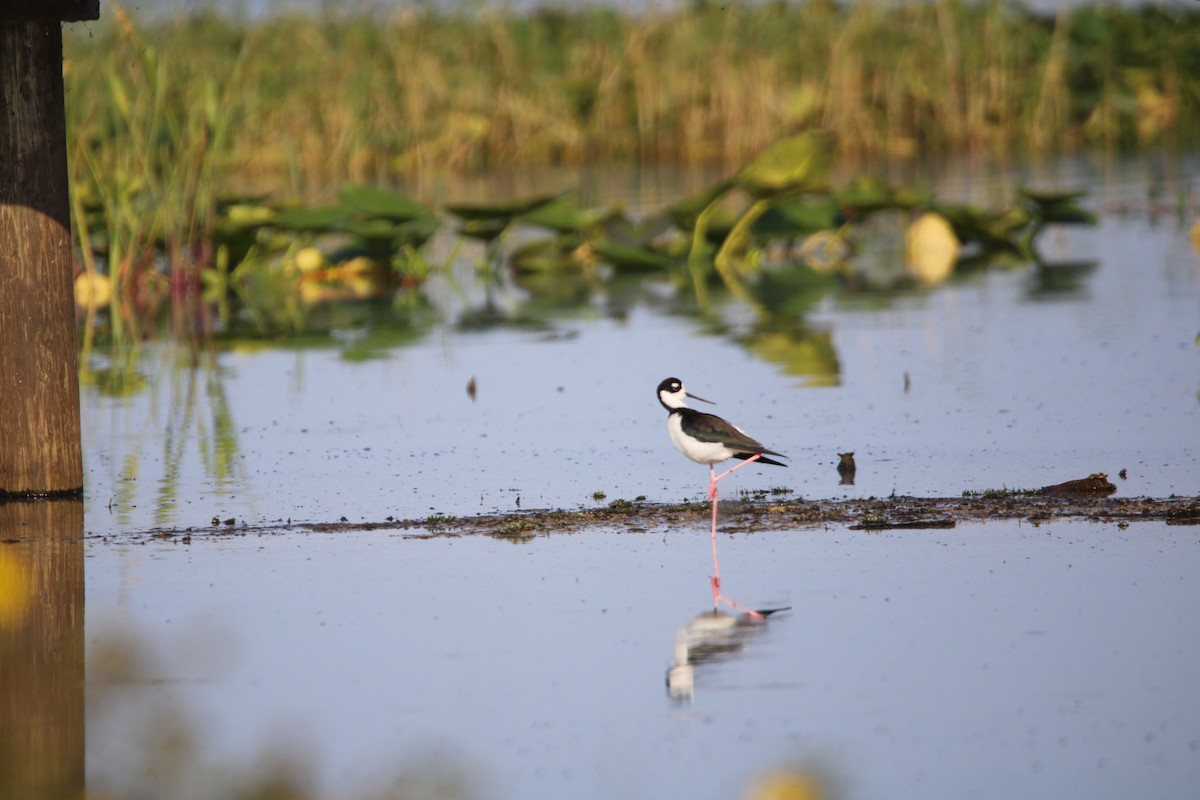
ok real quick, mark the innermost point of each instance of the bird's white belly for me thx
(700, 452)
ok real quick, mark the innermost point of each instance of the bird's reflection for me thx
(710, 637)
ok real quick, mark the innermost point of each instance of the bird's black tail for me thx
(762, 459)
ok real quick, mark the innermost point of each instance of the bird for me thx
(708, 439)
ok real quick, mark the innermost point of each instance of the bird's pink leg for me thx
(715, 579)
(749, 612)
(713, 485)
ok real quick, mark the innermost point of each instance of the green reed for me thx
(314, 98)
(147, 134)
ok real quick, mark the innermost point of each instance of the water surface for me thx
(985, 661)
(1017, 377)
(993, 660)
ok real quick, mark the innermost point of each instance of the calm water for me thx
(990, 660)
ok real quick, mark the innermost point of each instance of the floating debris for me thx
(846, 468)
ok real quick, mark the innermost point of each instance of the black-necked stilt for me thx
(708, 439)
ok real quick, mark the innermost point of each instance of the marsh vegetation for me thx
(210, 153)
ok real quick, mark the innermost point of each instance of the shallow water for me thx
(1016, 378)
(993, 660)
(989, 660)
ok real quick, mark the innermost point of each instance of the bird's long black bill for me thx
(701, 399)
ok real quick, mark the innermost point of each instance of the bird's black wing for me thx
(711, 428)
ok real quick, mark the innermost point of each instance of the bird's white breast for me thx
(700, 452)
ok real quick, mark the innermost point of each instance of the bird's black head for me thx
(671, 394)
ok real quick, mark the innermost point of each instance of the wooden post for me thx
(40, 452)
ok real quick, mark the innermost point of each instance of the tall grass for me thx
(145, 165)
(318, 97)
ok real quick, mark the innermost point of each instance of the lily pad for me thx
(372, 230)
(795, 218)
(1045, 197)
(991, 230)
(546, 255)
(491, 212)
(318, 219)
(375, 202)
(1059, 208)
(630, 258)
(866, 195)
(484, 229)
(562, 216)
(416, 232)
(792, 165)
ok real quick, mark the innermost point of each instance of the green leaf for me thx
(372, 230)
(686, 211)
(485, 212)
(866, 194)
(793, 165)
(631, 259)
(1058, 207)
(545, 255)
(375, 202)
(561, 216)
(319, 219)
(1047, 198)
(416, 232)
(485, 230)
(794, 218)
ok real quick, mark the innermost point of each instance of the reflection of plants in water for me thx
(194, 388)
(797, 349)
(197, 413)
(115, 374)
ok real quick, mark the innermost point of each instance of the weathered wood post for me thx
(40, 453)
